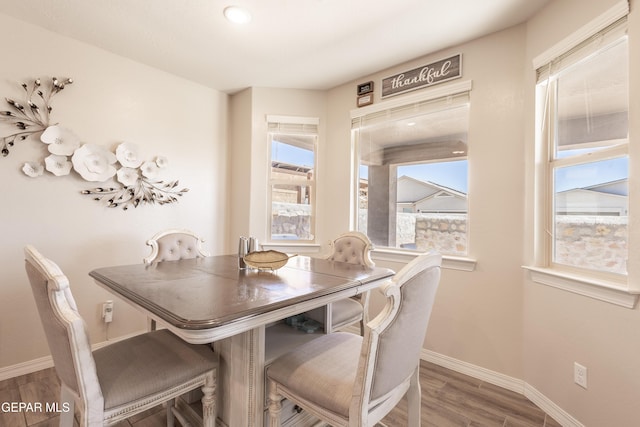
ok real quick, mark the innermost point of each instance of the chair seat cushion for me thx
(345, 312)
(322, 371)
(148, 364)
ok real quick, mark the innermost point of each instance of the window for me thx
(412, 173)
(582, 98)
(292, 177)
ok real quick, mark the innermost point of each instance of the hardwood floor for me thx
(452, 399)
(448, 399)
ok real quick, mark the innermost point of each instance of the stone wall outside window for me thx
(591, 241)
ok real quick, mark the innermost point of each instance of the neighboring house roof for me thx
(427, 196)
(619, 187)
(290, 167)
(608, 197)
(411, 190)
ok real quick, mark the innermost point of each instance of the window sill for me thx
(448, 262)
(601, 290)
(292, 248)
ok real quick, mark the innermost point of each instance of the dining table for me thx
(238, 310)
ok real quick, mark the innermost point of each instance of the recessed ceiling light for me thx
(237, 15)
(411, 124)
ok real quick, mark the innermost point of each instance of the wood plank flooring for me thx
(448, 399)
(451, 399)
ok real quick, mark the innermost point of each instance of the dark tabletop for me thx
(208, 292)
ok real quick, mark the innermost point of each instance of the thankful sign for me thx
(428, 75)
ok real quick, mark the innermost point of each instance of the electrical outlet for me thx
(580, 374)
(107, 311)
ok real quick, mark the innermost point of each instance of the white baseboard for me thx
(519, 386)
(46, 361)
(474, 371)
(557, 413)
(25, 367)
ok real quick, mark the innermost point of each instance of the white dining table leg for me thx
(241, 378)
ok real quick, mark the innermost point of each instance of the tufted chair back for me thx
(352, 247)
(355, 248)
(172, 245)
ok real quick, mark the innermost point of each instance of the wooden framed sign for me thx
(365, 100)
(365, 88)
(428, 75)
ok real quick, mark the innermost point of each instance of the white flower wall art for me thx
(129, 179)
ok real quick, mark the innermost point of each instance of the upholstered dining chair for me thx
(122, 379)
(348, 380)
(352, 247)
(175, 244)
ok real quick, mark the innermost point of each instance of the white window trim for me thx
(389, 254)
(620, 10)
(292, 248)
(295, 121)
(602, 290)
(609, 291)
(448, 262)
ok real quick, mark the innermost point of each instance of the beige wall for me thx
(477, 315)
(561, 328)
(112, 100)
(241, 165)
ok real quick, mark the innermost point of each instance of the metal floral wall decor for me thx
(136, 180)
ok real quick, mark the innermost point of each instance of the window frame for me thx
(462, 263)
(615, 149)
(301, 126)
(610, 287)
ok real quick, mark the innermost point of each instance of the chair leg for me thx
(275, 405)
(364, 300)
(328, 319)
(66, 418)
(414, 399)
(209, 401)
(171, 419)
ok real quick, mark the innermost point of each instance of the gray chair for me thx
(348, 380)
(354, 248)
(122, 379)
(173, 245)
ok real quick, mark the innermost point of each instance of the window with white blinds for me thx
(582, 102)
(292, 177)
(411, 183)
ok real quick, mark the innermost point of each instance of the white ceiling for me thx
(305, 44)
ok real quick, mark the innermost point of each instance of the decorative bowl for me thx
(266, 260)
